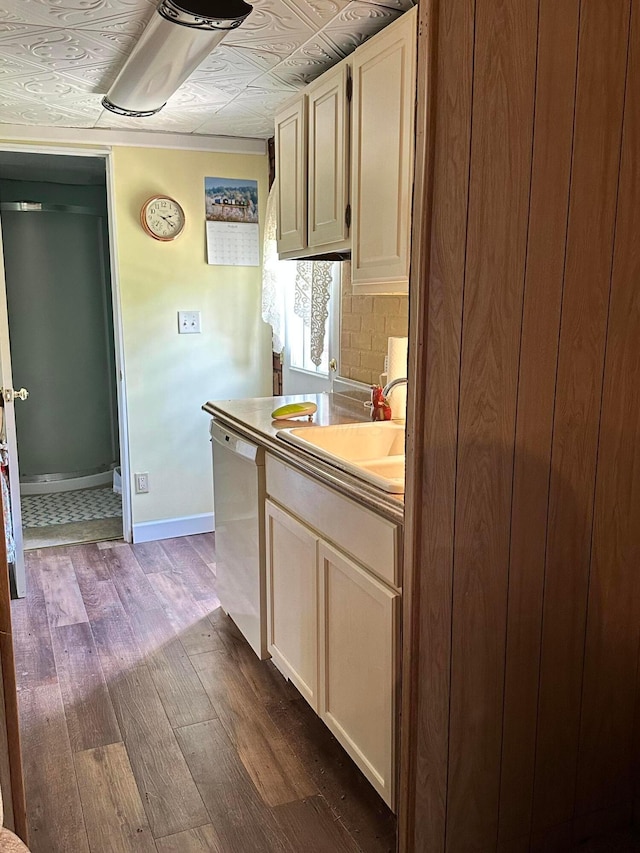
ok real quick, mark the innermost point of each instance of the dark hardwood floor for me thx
(148, 724)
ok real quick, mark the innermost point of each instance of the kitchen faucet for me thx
(391, 385)
(380, 408)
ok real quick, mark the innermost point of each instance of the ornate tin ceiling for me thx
(59, 57)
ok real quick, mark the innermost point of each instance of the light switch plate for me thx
(189, 322)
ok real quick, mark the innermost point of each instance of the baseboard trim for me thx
(170, 528)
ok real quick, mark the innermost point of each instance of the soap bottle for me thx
(380, 408)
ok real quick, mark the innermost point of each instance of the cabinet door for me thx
(292, 600)
(328, 108)
(382, 159)
(291, 176)
(358, 667)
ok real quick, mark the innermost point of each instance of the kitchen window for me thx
(306, 366)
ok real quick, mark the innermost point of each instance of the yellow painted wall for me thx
(168, 375)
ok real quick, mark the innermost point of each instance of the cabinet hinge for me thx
(349, 88)
(347, 216)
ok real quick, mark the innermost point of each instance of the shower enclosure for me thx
(60, 321)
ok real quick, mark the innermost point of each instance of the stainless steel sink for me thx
(371, 451)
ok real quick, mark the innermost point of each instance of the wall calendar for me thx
(233, 232)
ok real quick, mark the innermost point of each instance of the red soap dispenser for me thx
(380, 409)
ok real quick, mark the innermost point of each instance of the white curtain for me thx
(274, 278)
(313, 288)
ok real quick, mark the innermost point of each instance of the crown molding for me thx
(132, 139)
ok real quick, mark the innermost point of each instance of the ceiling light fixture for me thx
(179, 36)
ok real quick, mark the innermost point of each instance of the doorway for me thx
(54, 211)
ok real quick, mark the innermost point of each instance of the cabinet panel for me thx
(292, 600)
(375, 541)
(382, 138)
(358, 669)
(328, 109)
(291, 176)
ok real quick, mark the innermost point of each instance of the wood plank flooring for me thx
(148, 724)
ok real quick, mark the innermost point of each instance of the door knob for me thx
(10, 395)
(333, 365)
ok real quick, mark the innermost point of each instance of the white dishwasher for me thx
(238, 497)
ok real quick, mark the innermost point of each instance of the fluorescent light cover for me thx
(175, 41)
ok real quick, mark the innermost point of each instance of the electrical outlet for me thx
(142, 484)
(189, 322)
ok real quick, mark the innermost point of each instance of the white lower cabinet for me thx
(292, 600)
(332, 623)
(358, 629)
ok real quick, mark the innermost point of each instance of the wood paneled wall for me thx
(522, 623)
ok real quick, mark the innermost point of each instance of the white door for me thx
(7, 390)
(299, 374)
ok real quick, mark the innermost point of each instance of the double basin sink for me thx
(374, 452)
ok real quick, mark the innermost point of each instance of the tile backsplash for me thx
(366, 323)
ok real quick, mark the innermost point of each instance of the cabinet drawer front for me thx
(292, 600)
(372, 540)
(358, 644)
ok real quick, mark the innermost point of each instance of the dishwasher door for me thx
(238, 496)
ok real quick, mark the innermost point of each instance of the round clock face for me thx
(162, 218)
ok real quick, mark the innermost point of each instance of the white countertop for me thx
(252, 418)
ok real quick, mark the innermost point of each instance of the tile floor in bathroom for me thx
(63, 518)
(66, 507)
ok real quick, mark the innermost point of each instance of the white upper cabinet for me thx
(353, 171)
(312, 168)
(291, 157)
(328, 159)
(382, 131)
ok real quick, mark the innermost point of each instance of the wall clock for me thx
(162, 218)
